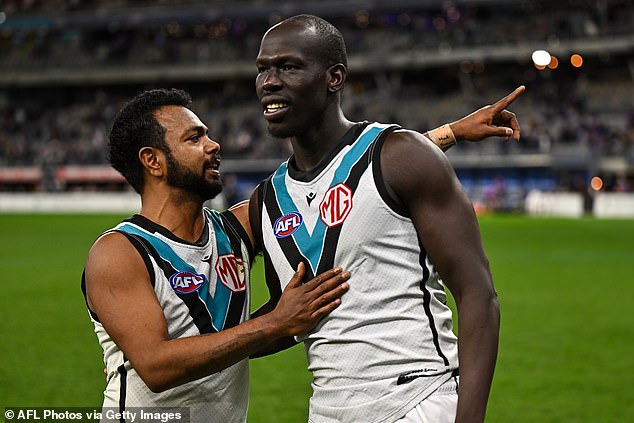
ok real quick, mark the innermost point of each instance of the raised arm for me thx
(423, 180)
(492, 120)
(120, 293)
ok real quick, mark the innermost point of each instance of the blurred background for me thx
(66, 66)
(565, 285)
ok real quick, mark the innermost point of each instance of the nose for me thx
(211, 146)
(271, 81)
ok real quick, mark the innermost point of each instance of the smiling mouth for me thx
(273, 108)
(213, 166)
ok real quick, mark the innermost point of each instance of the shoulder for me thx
(405, 143)
(108, 243)
(408, 158)
(111, 249)
(113, 265)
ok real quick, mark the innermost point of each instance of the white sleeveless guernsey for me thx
(202, 288)
(390, 343)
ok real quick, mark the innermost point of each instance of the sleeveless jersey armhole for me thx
(83, 291)
(143, 251)
(232, 224)
(255, 216)
(386, 194)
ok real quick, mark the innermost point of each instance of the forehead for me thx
(177, 119)
(290, 39)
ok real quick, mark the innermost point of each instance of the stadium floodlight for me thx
(541, 58)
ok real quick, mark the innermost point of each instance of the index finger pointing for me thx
(504, 102)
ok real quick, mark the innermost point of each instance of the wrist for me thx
(272, 326)
(443, 137)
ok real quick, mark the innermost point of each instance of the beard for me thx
(191, 182)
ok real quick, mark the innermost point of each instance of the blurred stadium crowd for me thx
(67, 66)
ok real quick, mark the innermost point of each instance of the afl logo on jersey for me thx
(287, 224)
(336, 205)
(187, 282)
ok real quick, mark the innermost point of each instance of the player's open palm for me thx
(302, 306)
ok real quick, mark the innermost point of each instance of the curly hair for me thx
(135, 127)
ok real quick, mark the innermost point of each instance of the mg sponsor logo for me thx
(336, 205)
(287, 224)
(187, 282)
(230, 271)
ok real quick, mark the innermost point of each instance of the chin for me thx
(207, 191)
(280, 131)
(214, 191)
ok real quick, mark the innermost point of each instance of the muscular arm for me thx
(120, 293)
(422, 179)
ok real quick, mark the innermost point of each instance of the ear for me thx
(337, 74)
(152, 160)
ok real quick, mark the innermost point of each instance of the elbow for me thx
(157, 388)
(489, 295)
(494, 307)
(482, 299)
(162, 379)
(155, 379)
(155, 384)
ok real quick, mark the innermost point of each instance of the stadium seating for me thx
(68, 65)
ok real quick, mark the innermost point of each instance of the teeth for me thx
(275, 106)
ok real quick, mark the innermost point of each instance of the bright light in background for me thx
(3, 17)
(576, 60)
(554, 63)
(541, 58)
(596, 183)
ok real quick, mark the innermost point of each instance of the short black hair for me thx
(335, 46)
(135, 127)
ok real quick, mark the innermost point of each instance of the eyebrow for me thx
(276, 58)
(198, 129)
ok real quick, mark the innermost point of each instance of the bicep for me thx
(119, 291)
(439, 208)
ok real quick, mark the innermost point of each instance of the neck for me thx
(178, 213)
(313, 146)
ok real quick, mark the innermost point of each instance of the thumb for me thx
(297, 278)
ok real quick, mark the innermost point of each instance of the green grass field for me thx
(566, 290)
